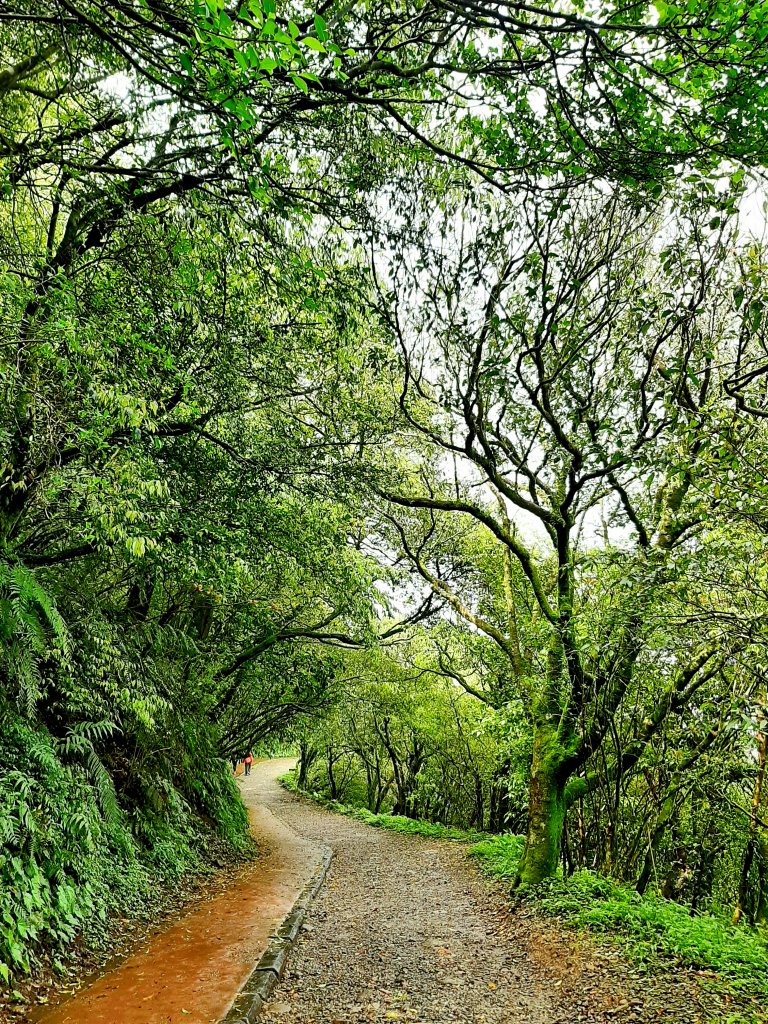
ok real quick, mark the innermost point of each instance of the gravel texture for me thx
(408, 929)
(402, 930)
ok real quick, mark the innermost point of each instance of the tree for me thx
(402, 736)
(166, 513)
(201, 421)
(544, 354)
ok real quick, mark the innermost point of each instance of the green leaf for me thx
(321, 28)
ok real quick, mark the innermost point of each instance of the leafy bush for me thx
(71, 855)
(652, 926)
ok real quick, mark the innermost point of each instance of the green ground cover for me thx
(653, 932)
(73, 857)
(650, 929)
(391, 822)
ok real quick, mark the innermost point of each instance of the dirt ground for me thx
(408, 929)
(404, 929)
(191, 969)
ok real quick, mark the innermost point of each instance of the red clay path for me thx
(191, 973)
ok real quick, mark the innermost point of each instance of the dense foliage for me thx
(389, 379)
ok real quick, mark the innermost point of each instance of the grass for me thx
(391, 822)
(499, 855)
(650, 929)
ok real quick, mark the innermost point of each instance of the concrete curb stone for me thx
(269, 968)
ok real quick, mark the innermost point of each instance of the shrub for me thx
(72, 854)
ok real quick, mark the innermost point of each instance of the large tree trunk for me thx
(370, 786)
(307, 757)
(546, 806)
(551, 765)
(403, 799)
(761, 910)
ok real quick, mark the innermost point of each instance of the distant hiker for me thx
(235, 763)
(248, 761)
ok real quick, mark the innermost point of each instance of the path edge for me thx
(269, 968)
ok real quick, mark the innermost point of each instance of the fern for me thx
(31, 631)
(79, 742)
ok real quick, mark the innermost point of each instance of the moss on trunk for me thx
(546, 806)
(761, 910)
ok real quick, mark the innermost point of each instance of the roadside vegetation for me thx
(390, 380)
(74, 857)
(390, 822)
(651, 930)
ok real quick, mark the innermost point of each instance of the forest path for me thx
(403, 929)
(191, 970)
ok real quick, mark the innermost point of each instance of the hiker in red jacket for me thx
(248, 761)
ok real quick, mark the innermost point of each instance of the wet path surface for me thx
(404, 930)
(192, 971)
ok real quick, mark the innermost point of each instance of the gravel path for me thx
(407, 929)
(402, 930)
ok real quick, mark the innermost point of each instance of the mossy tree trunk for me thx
(546, 807)
(755, 827)
(551, 765)
(761, 910)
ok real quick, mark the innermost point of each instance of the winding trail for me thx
(192, 970)
(404, 930)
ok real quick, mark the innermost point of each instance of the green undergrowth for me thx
(649, 928)
(391, 822)
(76, 850)
(499, 855)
